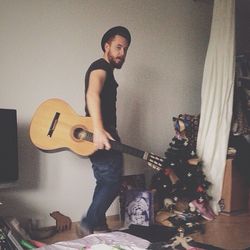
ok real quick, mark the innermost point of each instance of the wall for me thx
(242, 26)
(46, 47)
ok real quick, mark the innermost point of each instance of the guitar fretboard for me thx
(119, 146)
(127, 149)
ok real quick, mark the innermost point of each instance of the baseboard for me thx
(233, 213)
(114, 217)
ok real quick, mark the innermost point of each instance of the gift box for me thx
(139, 208)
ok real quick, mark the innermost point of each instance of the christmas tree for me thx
(183, 176)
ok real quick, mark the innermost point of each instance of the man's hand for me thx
(62, 222)
(101, 139)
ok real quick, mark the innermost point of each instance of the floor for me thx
(227, 232)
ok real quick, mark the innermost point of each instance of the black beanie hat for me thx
(118, 30)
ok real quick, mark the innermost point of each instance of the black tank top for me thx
(108, 94)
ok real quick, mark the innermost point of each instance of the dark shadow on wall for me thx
(29, 165)
(14, 206)
(29, 178)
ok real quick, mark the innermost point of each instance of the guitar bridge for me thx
(53, 124)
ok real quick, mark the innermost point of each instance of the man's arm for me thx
(96, 82)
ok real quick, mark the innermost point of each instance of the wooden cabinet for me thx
(235, 192)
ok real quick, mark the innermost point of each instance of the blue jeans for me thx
(108, 169)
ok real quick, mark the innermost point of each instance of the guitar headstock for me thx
(155, 161)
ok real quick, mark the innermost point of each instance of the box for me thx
(129, 182)
(139, 208)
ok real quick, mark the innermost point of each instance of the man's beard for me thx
(114, 64)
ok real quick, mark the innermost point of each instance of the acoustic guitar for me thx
(56, 126)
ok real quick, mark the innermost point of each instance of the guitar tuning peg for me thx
(150, 164)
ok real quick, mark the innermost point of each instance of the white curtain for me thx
(217, 97)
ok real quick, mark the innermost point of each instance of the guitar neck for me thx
(154, 161)
(128, 149)
(115, 145)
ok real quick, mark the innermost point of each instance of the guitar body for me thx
(55, 125)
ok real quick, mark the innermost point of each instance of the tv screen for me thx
(8, 146)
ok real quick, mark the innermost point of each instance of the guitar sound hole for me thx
(79, 134)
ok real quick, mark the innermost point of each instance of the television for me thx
(8, 148)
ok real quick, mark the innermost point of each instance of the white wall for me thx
(46, 47)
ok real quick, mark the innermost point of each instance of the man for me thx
(100, 96)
